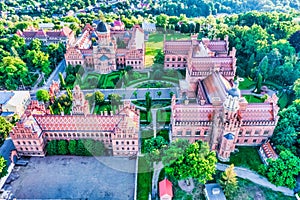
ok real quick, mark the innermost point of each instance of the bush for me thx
(62, 147)
(72, 147)
(52, 147)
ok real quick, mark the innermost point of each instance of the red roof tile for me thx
(165, 187)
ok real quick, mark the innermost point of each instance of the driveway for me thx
(71, 177)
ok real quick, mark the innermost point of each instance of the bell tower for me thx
(230, 123)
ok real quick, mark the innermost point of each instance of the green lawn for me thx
(144, 179)
(253, 99)
(246, 84)
(155, 44)
(102, 81)
(163, 116)
(250, 190)
(246, 157)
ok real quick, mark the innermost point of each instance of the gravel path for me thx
(256, 178)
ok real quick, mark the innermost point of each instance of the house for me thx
(213, 191)
(165, 190)
(266, 151)
(149, 27)
(13, 102)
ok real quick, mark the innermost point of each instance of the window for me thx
(18, 142)
(246, 141)
(21, 148)
(205, 132)
(122, 142)
(133, 148)
(237, 141)
(266, 132)
(132, 142)
(179, 132)
(179, 59)
(117, 142)
(127, 142)
(254, 141)
(198, 133)
(240, 133)
(263, 141)
(188, 133)
(117, 148)
(168, 59)
(173, 59)
(247, 133)
(256, 132)
(24, 142)
(37, 148)
(122, 148)
(127, 148)
(29, 142)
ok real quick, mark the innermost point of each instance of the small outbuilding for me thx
(213, 191)
(165, 190)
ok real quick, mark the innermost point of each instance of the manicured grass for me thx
(163, 116)
(246, 157)
(102, 81)
(250, 190)
(155, 44)
(246, 84)
(253, 99)
(155, 85)
(144, 179)
(155, 103)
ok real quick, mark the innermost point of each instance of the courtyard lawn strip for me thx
(246, 157)
(144, 179)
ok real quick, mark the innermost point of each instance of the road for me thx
(53, 77)
(256, 178)
(127, 93)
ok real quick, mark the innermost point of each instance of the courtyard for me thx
(75, 177)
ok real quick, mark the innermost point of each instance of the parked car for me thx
(21, 163)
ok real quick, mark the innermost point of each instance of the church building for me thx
(105, 48)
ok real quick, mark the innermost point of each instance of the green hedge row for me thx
(82, 147)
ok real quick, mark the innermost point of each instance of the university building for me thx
(211, 107)
(64, 35)
(105, 48)
(119, 131)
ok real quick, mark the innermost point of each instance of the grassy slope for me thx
(155, 43)
(144, 179)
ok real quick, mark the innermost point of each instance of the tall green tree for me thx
(154, 148)
(72, 147)
(197, 162)
(296, 88)
(42, 95)
(62, 81)
(52, 147)
(284, 169)
(5, 128)
(62, 147)
(159, 58)
(228, 181)
(3, 167)
(99, 97)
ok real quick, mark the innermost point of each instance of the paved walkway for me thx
(157, 168)
(256, 178)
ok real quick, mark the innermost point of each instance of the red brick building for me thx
(107, 48)
(119, 131)
(211, 107)
(65, 35)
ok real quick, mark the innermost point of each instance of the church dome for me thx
(101, 27)
(234, 92)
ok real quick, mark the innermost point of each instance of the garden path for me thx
(256, 178)
(157, 168)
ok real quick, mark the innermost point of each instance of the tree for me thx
(5, 128)
(72, 147)
(115, 99)
(296, 88)
(42, 95)
(171, 94)
(174, 150)
(62, 81)
(162, 20)
(197, 161)
(258, 83)
(153, 148)
(148, 101)
(52, 147)
(159, 93)
(284, 169)
(228, 181)
(159, 58)
(62, 147)
(135, 94)
(294, 40)
(3, 167)
(99, 97)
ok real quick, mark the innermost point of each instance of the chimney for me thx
(215, 191)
